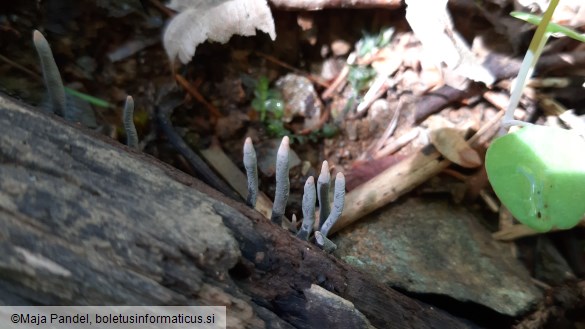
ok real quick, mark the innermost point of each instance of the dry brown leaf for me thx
(217, 20)
(451, 144)
(431, 23)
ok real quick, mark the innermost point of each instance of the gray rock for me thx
(432, 246)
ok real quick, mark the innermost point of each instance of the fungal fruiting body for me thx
(51, 75)
(309, 195)
(338, 203)
(282, 182)
(128, 120)
(309, 198)
(323, 183)
(250, 163)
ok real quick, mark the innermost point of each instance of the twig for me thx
(195, 93)
(294, 69)
(21, 67)
(225, 167)
(399, 179)
(163, 9)
(341, 78)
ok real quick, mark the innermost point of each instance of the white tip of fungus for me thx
(324, 176)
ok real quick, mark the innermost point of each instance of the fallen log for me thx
(86, 221)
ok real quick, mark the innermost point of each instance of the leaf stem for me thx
(534, 50)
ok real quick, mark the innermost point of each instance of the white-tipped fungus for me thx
(250, 163)
(338, 203)
(309, 198)
(51, 74)
(282, 182)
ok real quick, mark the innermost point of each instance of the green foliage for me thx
(371, 42)
(539, 172)
(267, 101)
(360, 76)
(88, 98)
(270, 105)
(551, 27)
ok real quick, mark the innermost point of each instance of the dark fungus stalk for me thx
(51, 75)
(323, 193)
(309, 199)
(338, 203)
(282, 182)
(128, 119)
(250, 163)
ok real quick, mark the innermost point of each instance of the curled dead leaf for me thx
(200, 20)
(451, 144)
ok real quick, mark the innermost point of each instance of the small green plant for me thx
(538, 172)
(360, 76)
(270, 105)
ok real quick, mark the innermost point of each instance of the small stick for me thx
(162, 8)
(277, 61)
(341, 78)
(250, 163)
(309, 199)
(128, 119)
(399, 179)
(282, 182)
(323, 193)
(51, 74)
(195, 93)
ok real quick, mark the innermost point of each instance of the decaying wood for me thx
(400, 178)
(86, 221)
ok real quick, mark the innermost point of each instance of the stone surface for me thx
(431, 246)
(301, 99)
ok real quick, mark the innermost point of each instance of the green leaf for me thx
(551, 27)
(539, 174)
(90, 99)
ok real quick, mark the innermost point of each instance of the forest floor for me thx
(351, 86)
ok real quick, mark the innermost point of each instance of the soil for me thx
(113, 49)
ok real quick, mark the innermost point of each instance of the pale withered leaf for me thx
(200, 20)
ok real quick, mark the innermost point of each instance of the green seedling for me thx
(538, 172)
(269, 104)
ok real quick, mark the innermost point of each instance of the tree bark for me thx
(86, 221)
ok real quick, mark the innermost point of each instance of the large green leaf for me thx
(539, 174)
